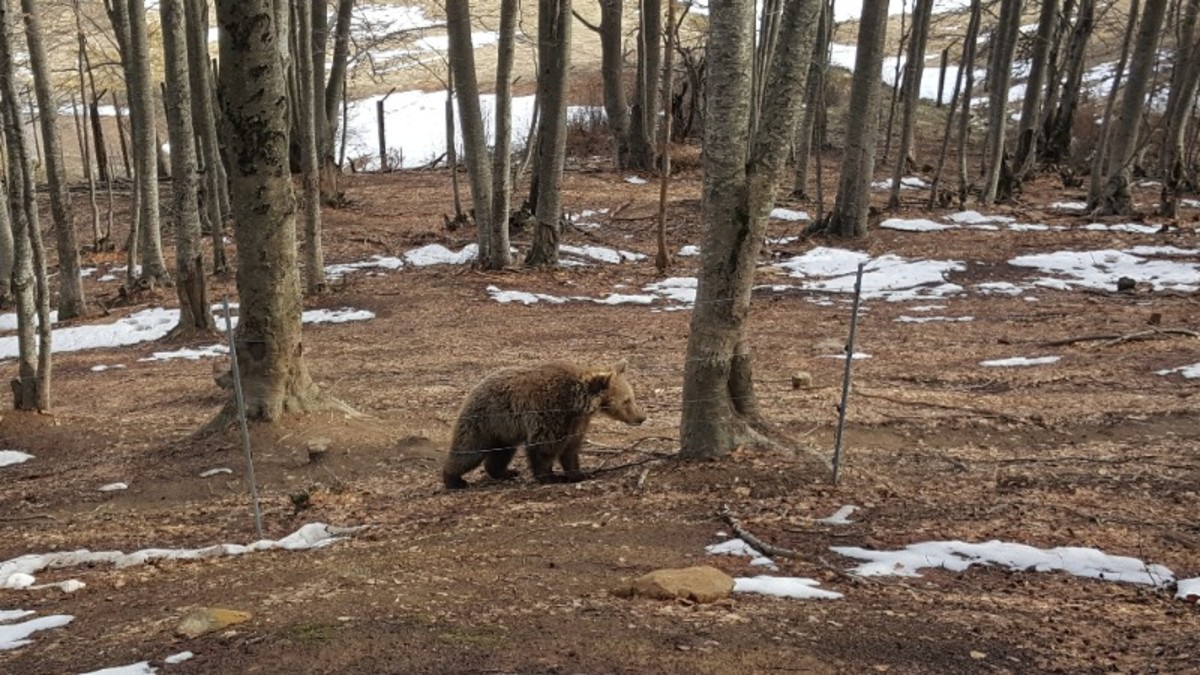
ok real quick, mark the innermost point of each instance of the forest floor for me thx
(1095, 450)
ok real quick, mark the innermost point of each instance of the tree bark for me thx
(999, 77)
(502, 152)
(145, 147)
(814, 97)
(642, 116)
(970, 46)
(71, 301)
(554, 58)
(720, 410)
(1116, 199)
(1058, 136)
(910, 92)
(204, 121)
(1031, 107)
(194, 313)
(851, 208)
(470, 116)
(337, 74)
(1185, 78)
(612, 69)
(314, 252)
(253, 92)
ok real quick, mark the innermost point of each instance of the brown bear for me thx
(547, 409)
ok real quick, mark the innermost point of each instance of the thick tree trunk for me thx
(1058, 135)
(71, 302)
(1116, 199)
(1031, 107)
(253, 90)
(612, 69)
(306, 119)
(720, 410)
(194, 312)
(1185, 77)
(502, 152)
(649, 49)
(31, 388)
(814, 98)
(145, 145)
(850, 210)
(470, 116)
(999, 77)
(910, 92)
(204, 121)
(554, 59)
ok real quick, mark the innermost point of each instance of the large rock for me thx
(208, 619)
(697, 584)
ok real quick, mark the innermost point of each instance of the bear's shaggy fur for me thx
(547, 409)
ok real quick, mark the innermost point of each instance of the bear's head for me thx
(616, 396)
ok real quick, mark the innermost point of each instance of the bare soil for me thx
(1096, 450)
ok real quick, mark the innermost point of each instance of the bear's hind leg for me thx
(496, 463)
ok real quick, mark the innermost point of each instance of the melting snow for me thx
(915, 225)
(13, 635)
(113, 487)
(977, 218)
(931, 319)
(1020, 361)
(841, 516)
(689, 250)
(178, 658)
(1136, 228)
(139, 668)
(9, 457)
(374, 262)
(887, 277)
(215, 472)
(635, 180)
(789, 215)
(189, 354)
(1070, 206)
(1188, 589)
(1100, 269)
(739, 547)
(101, 368)
(1191, 372)
(601, 254)
(999, 288)
(784, 587)
(906, 183)
(957, 556)
(436, 254)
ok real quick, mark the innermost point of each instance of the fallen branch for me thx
(753, 541)
(1116, 338)
(942, 406)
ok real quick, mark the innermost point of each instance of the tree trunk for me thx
(318, 45)
(194, 312)
(253, 92)
(999, 77)
(612, 69)
(1031, 107)
(502, 153)
(6, 237)
(1116, 199)
(914, 69)
(1185, 77)
(314, 252)
(970, 46)
(720, 411)
(470, 116)
(337, 74)
(814, 97)
(145, 147)
(554, 57)
(641, 123)
(204, 121)
(71, 302)
(31, 388)
(1058, 136)
(851, 208)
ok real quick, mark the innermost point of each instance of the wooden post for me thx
(837, 443)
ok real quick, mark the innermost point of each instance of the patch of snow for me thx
(139, 668)
(841, 516)
(858, 356)
(1188, 589)
(343, 315)
(635, 180)
(374, 262)
(113, 487)
(1190, 372)
(1135, 228)
(999, 288)
(1069, 206)
(436, 254)
(887, 277)
(178, 658)
(800, 588)
(977, 218)
(101, 368)
(18, 580)
(10, 457)
(190, 354)
(738, 547)
(8, 320)
(215, 472)
(1017, 361)
(957, 556)
(925, 308)
(602, 254)
(1163, 250)
(688, 251)
(904, 318)
(1101, 269)
(624, 299)
(17, 635)
(914, 225)
(789, 215)
(677, 289)
(906, 183)
(1031, 227)
(1190, 203)
(505, 297)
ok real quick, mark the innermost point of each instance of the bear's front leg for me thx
(541, 463)
(570, 462)
(496, 464)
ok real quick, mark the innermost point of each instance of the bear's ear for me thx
(619, 366)
(597, 382)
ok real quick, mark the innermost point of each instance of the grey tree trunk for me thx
(1185, 77)
(1058, 136)
(999, 77)
(720, 410)
(502, 152)
(6, 242)
(318, 44)
(1116, 199)
(554, 58)
(641, 123)
(1099, 161)
(850, 210)
(145, 148)
(314, 252)
(470, 116)
(194, 313)
(337, 74)
(970, 45)
(71, 301)
(814, 98)
(612, 69)
(910, 92)
(204, 121)
(1031, 108)
(31, 387)
(253, 88)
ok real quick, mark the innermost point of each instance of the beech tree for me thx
(1031, 107)
(741, 174)
(204, 123)
(306, 119)
(1185, 79)
(1004, 44)
(470, 115)
(1060, 124)
(910, 92)
(145, 146)
(71, 301)
(642, 125)
(612, 71)
(254, 104)
(554, 57)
